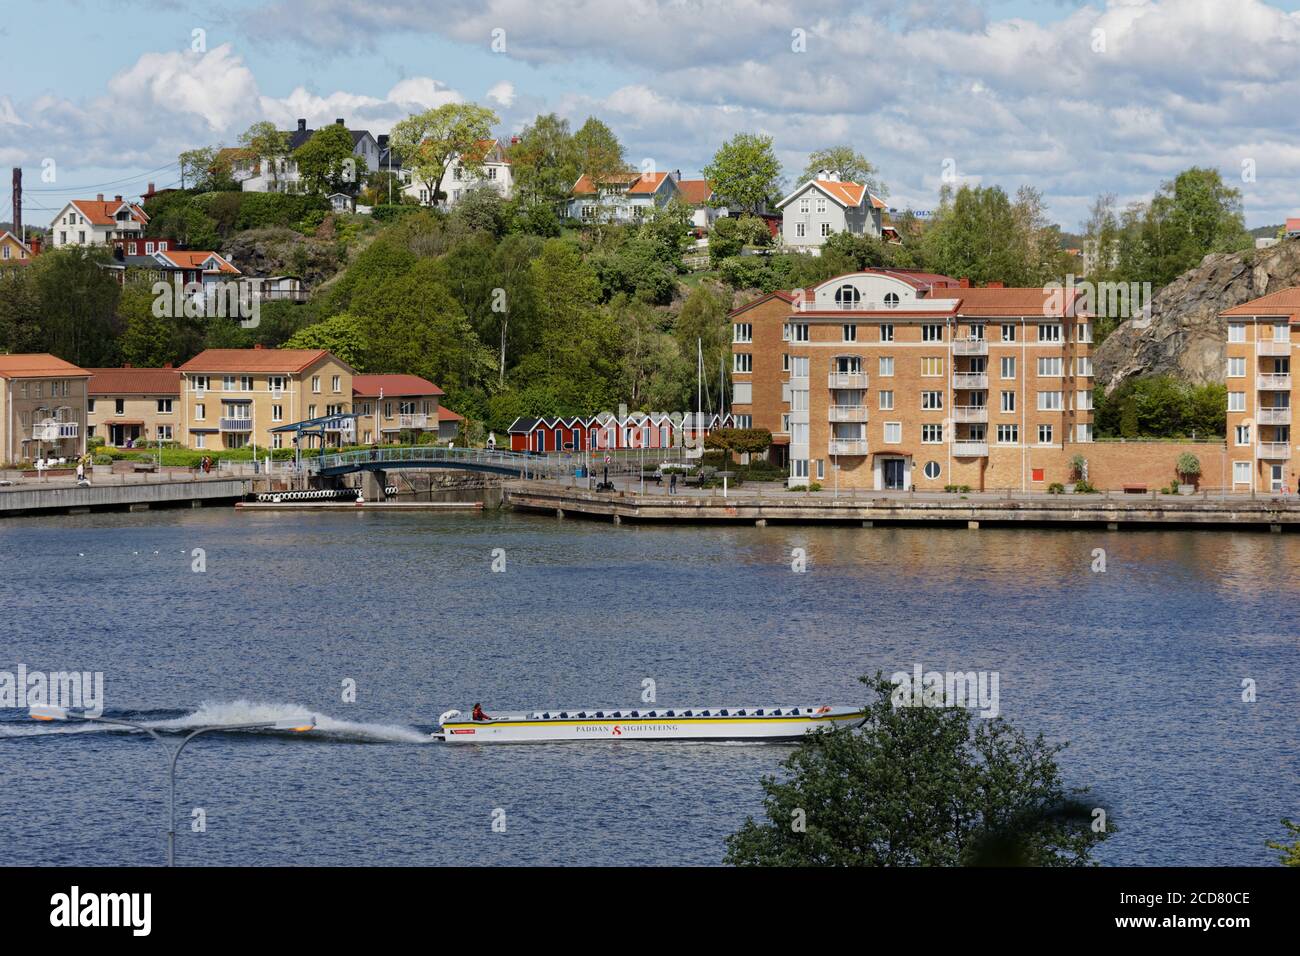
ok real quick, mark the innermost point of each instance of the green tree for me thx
(431, 141)
(851, 166)
(78, 304)
(147, 340)
(703, 319)
(1290, 851)
(263, 144)
(20, 311)
(326, 162)
(340, 334)
(919, 786)
(979, 233)
(543, 162)
(745, 172)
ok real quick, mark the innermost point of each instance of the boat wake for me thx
(215, 714)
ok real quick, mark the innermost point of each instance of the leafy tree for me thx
(597, 152)
(341, 334)
(979, 233)
(482, 209)
(730, 234)
(1290, 851)
(543, 162)
(265, 144)
(703, 319)
(149, 340)
(652, 370)
(205, 169)
(430, 141)
(78, 304)
(919, 786)
(1160, 406)
(851, 166)
(745, 172)
(327, 162)
(20, 311)
(739, 441)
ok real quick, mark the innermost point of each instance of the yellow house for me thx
(13, 249)
(42, 408)
(233, 398)
(129, 405)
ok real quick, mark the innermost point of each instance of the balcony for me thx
(1271, 347)
(852, 380)
(847, 446)
(848, 413)
(970, 413)
(412, 421)
(1274, 415)
(1274, 382)
(1273, 450)
(970, 449)
(970, 346)
(968, 380)
(54, 431)
(236, 424)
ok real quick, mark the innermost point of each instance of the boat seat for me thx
(582, 715)
(635, 714)
(670, 714)
(600, 713)
(687, 713)
(652, 714)
(546, 716)
(618, 713)
(723, 713)
(740, 713)
(564, 714)
(704, 713)
(759, 712)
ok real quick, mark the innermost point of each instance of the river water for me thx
(1139, 667)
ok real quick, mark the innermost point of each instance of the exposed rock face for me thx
(1185, 337)
(275, 252)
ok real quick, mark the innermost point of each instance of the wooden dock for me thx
(359, 506)
(969, 511)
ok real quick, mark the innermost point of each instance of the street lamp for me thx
(50, 712)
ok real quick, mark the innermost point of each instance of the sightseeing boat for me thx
(645, 723)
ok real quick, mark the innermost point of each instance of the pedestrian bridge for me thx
(513, 463)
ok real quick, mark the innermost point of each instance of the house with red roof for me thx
(821, 207)
(130, 406)
(42, 408)
(489, 168)
(97, 222)
(400, 408)
(13, 250)
(622, 197)
(279, 174)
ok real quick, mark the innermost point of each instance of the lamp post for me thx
(48, 712)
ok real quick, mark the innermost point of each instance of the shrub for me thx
(1188, 467)
(1084, 488)
(102, 460)
(1056, 488)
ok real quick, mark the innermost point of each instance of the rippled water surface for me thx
(1139, 668)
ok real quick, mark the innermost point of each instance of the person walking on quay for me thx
(672, 483)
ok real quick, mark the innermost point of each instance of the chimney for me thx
(99, 197)
(149, 191)
(963, 282)
(383, 140)
(18, 202)
(339, 121)
(168, 365)
(258, 345)
(995, 285)
(126, 365)
(35, 243)
(117, 198)
(823, 174)
(514, 140)
(302, 126)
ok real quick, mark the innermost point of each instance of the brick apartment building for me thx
(1261, 391)
(913, 380)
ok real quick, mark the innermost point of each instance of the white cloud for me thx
(503, 94)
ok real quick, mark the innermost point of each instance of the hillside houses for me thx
(489, 169)
(623, 197)
(279, 174)
(821, 207)
(97, 222)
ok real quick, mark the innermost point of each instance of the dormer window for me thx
(847, 296)
(891, 300)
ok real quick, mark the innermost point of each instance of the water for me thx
(1140, 668)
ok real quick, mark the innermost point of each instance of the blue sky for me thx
(1004, 92)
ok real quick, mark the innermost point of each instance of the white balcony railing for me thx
(970, 449)
(970, 347)
(236, 424)
(848, 413)
(970, 380)
(412, 421)
(69, 429)
(1274, 416)
(847, 446)
(970, 413)
(1273, 450)
(1271, 347)
(852, 380)
(1275, 381)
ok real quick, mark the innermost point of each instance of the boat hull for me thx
(733, 726)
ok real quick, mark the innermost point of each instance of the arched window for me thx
(891, 300)
(847, 296)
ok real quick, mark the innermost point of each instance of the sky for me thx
(1074, 99)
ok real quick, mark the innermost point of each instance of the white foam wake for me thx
(222, 714)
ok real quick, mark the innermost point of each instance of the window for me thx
(1236, 332)
(90, 406)
(931, 366)
(1085, 333)
(1044, 434)
(887, 332)
(1243, 434)
(1049, 366)
(886, 400)
(276, 383)
(1008, 434)
(315, 384)
(744, 421)
(277, 440)
(821, 468)
(891, 300)
(821, 204)
(1083, 432)
(931, 400)
(850, 333)
(742, 362)
(1084, 402)
(742, 332)
(119, 406)
(277, 413)
(228, 383)
(798, 467)
(1049, 332)
(826, 229)
(1241, 472)
(200, 440)
(931, 434)
(1236, 367)
(164, 406)
(1281, 332)
(245, 383)
(1049, 401)
(893, 433)
(785, 361)
(200, 412)
(1008, 401)
(164, 433)
(311, 411)
(1236, 401)
(1008, 332)
(799, 332)
(932, 470)
(202, 383)
(1084, 366)
(931, 333)
(800, 230)
(847, 296)
(785, 422)
(334, 384)
(805, 204)
(886, 365)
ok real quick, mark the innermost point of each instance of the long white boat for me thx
(644, 723)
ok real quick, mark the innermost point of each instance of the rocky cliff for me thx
(1185, 336)
(275, 252)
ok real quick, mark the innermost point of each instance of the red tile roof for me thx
(637, 183)
(195, 260)
(990, 302)
(255, 360)
(1292, 225)
(696, 192)
(134, 381)
(103, 213)
(1282, 302)
(368, 386)
(447, 415)
(38, 365)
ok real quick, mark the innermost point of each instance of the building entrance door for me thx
(892, 470)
